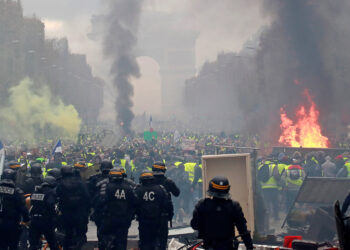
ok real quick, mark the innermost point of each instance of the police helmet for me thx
(66, 171)
(124, 172)
(80, 165)
(35, 169)
(219, 187)
(55, 172)
(106, 166)
(14, 165)
(158, 168)
(146, 175)
(49, 181)
(8, 175)
(115, 174)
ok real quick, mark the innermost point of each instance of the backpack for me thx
(294, 174)
(264, 173)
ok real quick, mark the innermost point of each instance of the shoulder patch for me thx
(7, 190)
(37, 197)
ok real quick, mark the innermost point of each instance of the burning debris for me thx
(306, 130)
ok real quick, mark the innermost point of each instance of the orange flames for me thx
(306, 131)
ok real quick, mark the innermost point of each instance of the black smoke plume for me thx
(119, 45)
(300, 50)
(306, 45)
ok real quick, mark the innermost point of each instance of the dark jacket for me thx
(153, 203)
(43, 201)
(215, 219)
(31, 183)
(12, 203)
(73, 196)
(168, 184)
(117, 202)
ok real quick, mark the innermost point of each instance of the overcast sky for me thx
(223, 25)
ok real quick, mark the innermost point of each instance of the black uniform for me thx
(154, 211)
(30, 183)
(117, 203)
(43, 215)
(215, 220)
(94, 184)
(93, 181)
(12, 210)
(172, 189)
(169, 184)
(74, 205)
(130, 182)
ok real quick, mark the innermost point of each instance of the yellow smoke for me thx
(33, 115)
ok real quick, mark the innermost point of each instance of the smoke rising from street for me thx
(119, 45)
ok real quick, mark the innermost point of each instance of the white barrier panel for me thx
(236, 167)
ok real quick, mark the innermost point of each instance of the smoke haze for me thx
(32, 114)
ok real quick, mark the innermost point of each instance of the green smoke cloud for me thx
(33, 115)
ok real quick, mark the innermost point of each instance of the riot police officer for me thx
(118, 202)
(12, 210)
(74, 206)
(92, 182)
(216, 217)
(154, 207)
(158, 170)
(43, 214)
(34, 179)
(56, 173)
(94, 185)
(20, 172)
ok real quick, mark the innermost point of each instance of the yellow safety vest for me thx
(189, 168)
(122, 163)
(45, 172)
(200, 179)
(298, 181)
(177, 164)
(271, 182)
(133, 167)
(347, 165)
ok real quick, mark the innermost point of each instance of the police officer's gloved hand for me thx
(247, 241)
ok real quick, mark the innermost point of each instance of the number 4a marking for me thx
(148, 196)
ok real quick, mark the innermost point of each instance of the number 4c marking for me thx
(148, 196)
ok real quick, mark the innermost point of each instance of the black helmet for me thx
(49, 181)
(115, 174)
(9, 175)
(35, 170)
(66, 171)
(159, 168)
(219, 187)
(80, 165)
(124, 172)
(55, 172)
(146, 175)
(14, 165)
(106, 166)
